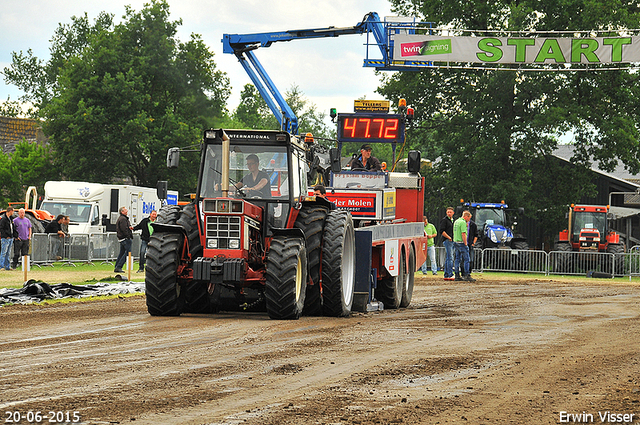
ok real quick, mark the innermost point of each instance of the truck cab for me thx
(83, 217)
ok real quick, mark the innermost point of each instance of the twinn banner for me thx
(517, 50)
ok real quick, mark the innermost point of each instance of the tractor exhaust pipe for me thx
(226, 147)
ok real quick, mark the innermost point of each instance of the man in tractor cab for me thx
(256, 183)
(365, 162)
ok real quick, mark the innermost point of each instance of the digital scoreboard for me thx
(372, 128)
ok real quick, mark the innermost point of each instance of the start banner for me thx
(517, 50)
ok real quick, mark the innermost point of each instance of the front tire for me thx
(338, 264)
(162, 289)
(286, 277)
(196, 296)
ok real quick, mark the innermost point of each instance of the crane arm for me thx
(244, 45)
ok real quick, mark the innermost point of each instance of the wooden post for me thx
(25, 266)
(129, 266)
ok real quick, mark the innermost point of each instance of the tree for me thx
(494, 130)
(254, 113)
(30, 165)
(116, 97)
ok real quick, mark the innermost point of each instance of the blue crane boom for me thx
(244, 45)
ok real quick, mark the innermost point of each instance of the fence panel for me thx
(78, 247)
(580, 263)
(40, 248)
(513, 260)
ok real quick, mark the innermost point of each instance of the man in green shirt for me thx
(460, 231)
(430, 232)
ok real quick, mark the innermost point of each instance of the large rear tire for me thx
(389, 290)
(286, 277)
(162, 290)
(522, 258)
(563, 261)
(311, 220)
(409, 279)
(338, 264)
(36, 225)
(617, 249)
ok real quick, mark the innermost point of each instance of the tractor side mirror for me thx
(334, 159)
(173, 158)
(413, 162)
(521, 211)
(161, 189)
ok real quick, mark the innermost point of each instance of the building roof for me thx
(565, 152)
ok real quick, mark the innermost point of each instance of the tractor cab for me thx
(253, 156)
(588, 228)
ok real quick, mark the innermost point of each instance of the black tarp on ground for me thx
(35, 291)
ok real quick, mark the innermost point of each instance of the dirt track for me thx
(493, 352)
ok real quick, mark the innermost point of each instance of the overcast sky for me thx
(328, 71)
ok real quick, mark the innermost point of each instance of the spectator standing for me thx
(446, 230)
(430, 232)
(147, 231)
(55, 227)
(124, 232)
(365, 161)
(462, 250)
(64, 226)
(472, 238)
(7, 234)
(24, 229)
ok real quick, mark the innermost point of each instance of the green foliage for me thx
(116, 97)
(12, 108)
(492, 132)
(253, 112)
(30, 165)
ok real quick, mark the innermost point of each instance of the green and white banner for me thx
(517, 50)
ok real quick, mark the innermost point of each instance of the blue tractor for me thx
(496, 223)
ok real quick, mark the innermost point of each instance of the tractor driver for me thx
(256, 183)
(365, 162)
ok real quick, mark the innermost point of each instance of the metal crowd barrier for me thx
(513, 260)
(78, 248)
(554, 262)
(580, 263)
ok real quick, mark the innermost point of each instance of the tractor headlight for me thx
(492, 236)
(212, 243)
(234, 243)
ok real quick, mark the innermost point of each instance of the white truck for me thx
(93, 207)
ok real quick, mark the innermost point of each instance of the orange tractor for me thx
(589, 231)
(38, 218)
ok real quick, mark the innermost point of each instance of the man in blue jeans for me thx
(460, 232)
(147, 231)
(7, 233)
(124, 231)
(446, 230)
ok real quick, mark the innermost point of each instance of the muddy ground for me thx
(524, 351)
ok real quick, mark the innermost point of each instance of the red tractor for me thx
(238, 247)
(589, 231)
